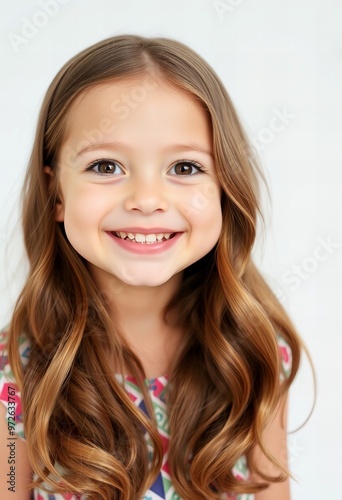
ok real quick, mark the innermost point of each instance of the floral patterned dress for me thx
(162, 489)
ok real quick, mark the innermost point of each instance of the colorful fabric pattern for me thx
(162, 489)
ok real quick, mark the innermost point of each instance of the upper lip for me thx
(142, 230)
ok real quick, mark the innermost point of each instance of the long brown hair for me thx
(84, 434)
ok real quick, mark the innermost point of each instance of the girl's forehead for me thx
(137, 106)
(131, 91)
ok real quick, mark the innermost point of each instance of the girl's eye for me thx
(187, 168)
(105, 167)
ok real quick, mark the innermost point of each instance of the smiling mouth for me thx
(147, 239)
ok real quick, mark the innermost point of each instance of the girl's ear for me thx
(51, 180)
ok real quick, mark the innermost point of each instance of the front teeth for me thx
(144, 238)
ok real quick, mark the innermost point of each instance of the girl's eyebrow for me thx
(122, 145)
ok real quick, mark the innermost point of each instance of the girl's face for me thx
(139, 194)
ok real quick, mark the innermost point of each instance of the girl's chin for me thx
(144, 282)
(150, 279)
(143, 276)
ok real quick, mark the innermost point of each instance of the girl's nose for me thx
(146, 196)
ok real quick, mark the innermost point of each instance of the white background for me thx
(275, 58)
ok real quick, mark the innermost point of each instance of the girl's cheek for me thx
(203, 201)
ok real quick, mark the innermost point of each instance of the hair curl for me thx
(225, 386)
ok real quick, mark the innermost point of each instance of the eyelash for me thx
(95, 163)
(200, 168)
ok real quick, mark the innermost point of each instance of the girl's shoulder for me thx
(9, 393)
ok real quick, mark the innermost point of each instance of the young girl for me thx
(147, 357)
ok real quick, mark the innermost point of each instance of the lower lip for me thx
(145, 248)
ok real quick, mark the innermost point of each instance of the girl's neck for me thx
(138, 314)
